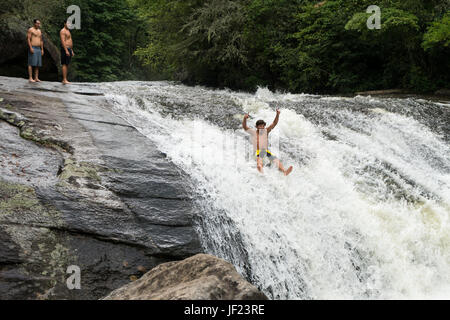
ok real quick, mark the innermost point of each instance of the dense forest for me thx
(289, 45)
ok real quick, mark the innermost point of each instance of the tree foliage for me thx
(295, 45)
(101, 43)
(438, 34)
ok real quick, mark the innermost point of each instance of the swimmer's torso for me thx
(35, 37)
(67, 37)
(263, 138)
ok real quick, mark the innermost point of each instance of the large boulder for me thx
(14, 55)
(201, 277)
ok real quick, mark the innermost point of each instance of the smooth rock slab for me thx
(88, 190)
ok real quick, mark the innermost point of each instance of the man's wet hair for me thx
(64, 23)
(260, 122)
(35, 20)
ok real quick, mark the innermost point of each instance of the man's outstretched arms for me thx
(275, 122)
(244, 122)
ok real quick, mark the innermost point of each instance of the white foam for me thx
(305, 234)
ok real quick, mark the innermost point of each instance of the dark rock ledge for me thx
(79, 186)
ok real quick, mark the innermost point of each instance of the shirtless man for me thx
(260, 140)
(66, 50)
(35, 50)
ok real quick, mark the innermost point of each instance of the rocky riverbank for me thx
(440, 95)
(79, 186)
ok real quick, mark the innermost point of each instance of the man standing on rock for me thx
(35, 50)
(66, 50)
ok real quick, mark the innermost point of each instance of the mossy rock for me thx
(80, 170)
(18, 198)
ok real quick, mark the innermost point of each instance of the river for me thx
(364, 214)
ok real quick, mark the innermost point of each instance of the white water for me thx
(364, 215)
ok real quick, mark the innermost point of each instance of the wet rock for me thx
(79, 186)
(381, 92)
(201, 277)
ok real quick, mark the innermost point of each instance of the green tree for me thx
(268, 37)
(438, 34)
(161, 51)
(101, 45)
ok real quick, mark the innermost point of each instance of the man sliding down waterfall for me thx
(260, 140)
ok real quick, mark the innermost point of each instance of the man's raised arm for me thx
(275, 122)
(244, 122)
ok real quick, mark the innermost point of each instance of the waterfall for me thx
(364, 214)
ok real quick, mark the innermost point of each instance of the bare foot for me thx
(66, 82)
(31, 80)
(37, 80)
(288, 171)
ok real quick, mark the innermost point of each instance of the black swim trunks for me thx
(65, 59)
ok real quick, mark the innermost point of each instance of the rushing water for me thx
(365, 213)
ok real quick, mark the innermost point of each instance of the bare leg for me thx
(281, 168)
(30, 74)
(259, 164)
(64, 72)
(36, 74)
